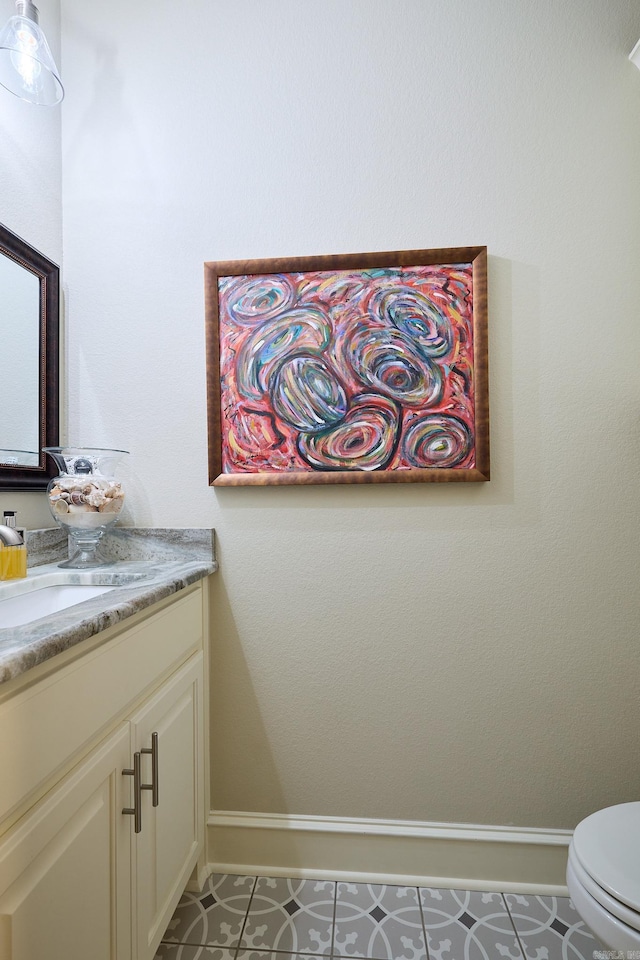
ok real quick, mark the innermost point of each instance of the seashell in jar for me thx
(113, 505)
(77, 497)
(61, 506)
(76, 508)
(114, 490)
(97, 497)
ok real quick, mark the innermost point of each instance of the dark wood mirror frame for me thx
(24, 477)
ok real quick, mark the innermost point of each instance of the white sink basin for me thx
(45, 592)
(42, 601)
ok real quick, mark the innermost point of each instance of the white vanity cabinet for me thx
(76, 879)
(65, 868)
(170, 839)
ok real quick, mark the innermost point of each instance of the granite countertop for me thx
(146, 566)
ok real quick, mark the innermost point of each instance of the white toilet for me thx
(603, 875)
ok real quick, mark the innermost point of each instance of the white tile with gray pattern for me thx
(263, 918)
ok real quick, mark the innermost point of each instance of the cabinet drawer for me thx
(44, 726)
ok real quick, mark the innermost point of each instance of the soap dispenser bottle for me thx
(13, 556)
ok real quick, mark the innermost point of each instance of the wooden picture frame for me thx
(356, 368)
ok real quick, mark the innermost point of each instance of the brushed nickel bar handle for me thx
(153, 750)
(136, 810)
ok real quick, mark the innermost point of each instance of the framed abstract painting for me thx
(353, 368)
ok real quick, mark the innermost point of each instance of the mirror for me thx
(29, 385)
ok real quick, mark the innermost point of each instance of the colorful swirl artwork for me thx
(347, 370)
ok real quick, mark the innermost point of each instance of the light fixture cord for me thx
(25, 8)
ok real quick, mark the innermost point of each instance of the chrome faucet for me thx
(10, 536)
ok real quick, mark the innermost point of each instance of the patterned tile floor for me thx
(249, 918)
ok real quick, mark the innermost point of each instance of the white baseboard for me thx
(452, 855)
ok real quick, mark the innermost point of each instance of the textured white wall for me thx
(30, 202)
(451, 653)
(30, 157)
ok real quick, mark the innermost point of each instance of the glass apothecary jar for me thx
(85, 499)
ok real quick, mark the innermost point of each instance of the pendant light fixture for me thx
(27, 67)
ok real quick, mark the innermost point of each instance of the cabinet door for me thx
(64, 867)
(171, 838)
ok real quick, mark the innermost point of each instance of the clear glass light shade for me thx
(27, 67)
